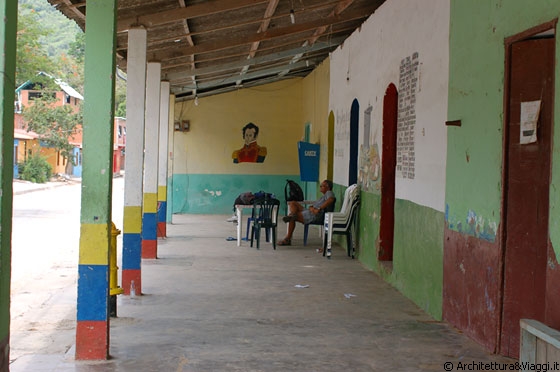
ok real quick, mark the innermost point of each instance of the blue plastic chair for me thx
(265, 215)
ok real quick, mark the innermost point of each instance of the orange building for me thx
(119, 144)
(27, 143)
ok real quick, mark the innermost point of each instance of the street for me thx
(45, 248)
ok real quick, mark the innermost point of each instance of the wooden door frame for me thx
(353, 150)
(330, 144)
(388, 172)
(508, 42)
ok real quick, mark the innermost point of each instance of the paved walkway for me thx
(23, 187)
(208, 305)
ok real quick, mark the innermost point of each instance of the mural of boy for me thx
(251, 152)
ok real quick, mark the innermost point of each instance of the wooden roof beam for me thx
(192, 11)
(270, 34)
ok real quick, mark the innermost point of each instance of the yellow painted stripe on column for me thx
(132, 220)
(162, 193)
(150, 202)
(94, 244)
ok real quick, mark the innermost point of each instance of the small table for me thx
(239, 210)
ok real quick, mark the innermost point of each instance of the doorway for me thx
(388, 164)
(77, 169)
(354, 128)
(529, 88)
(330, 152)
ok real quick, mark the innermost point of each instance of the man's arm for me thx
(322, 206)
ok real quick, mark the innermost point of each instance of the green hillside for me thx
(62, 29)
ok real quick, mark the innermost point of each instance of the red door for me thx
(388, 163)
(526, 190)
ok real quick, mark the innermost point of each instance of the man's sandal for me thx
(285, 242)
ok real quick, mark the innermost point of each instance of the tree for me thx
(54, 124)
(77, 48)
(120, 98)
(71, 65)
(39, 49)
(31, 55)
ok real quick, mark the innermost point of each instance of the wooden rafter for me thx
(270, 34)
(192, 11)
(336, 11)
(212, 46)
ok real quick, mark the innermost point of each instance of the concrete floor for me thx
(208, 305)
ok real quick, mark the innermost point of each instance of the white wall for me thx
(364, 66)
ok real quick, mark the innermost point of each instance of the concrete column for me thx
(8, 29)
(162, 160)
(134, 161)
(92, 332)
(150, 204)
(170, 153)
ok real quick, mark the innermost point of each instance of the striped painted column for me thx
(8, 28)
(134, 161)
(171, 151)
(151, 143)
(92, 331)
(164, 123)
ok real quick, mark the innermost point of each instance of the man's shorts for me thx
(309, 217)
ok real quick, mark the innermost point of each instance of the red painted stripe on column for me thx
(127, 277)
(162, 229)
(149, 249)
(92, 340)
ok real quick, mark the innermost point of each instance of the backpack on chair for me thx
(292, 191)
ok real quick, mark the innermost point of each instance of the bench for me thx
(539, 344)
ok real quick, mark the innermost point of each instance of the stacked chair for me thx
(342, 222)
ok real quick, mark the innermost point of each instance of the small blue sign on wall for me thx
(308, 161)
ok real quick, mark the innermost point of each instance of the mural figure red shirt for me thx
(251, 152)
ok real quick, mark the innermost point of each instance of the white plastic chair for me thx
(342, 222)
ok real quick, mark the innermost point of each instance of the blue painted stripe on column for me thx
(132, 251)
(93, 292)
(162, 211)
(149, 226)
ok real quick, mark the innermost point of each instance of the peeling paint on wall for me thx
(213, 193)
(489, 303)
(370, 168)
(342, 134)
(473, 225)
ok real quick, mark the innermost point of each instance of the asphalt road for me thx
(45, 249)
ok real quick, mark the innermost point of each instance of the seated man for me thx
(316, 212)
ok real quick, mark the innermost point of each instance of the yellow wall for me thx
(216, 130)
(316, 110)
(204, 177)
(53, 157)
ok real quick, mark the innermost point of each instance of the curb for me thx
(41, 187)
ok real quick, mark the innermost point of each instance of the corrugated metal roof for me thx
(23, 134)
(63, 85)
(69, 90)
